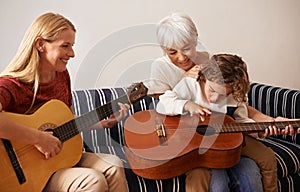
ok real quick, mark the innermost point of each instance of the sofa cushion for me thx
(287, 156)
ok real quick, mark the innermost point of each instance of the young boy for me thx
(222, 86)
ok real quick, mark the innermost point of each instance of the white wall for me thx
(115, 40)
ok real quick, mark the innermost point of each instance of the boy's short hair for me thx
(229, 70)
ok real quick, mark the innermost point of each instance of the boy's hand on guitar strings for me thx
(289, 129)
(271, 130)
(48, 144)
(195, 109)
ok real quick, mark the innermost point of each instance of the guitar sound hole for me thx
(205, 130)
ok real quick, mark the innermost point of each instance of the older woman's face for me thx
(183, 56)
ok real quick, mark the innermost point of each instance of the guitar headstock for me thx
(136, 92)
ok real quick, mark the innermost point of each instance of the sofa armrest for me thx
(276, 101)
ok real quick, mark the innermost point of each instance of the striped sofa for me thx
(274, 101)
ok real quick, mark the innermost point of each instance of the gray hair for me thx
(176, 30)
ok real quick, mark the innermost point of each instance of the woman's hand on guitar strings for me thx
(48, 144)
(123, 112)
(116, 117)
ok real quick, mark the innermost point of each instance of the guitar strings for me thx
(24, 150)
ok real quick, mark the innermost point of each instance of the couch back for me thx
(275, 101)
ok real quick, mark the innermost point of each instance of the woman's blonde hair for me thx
(229, 70)
(25, 64)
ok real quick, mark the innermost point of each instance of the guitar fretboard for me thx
(73, 127)
(244, 127)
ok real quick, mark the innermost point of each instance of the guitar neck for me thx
(216, 128)
(253, 126)
(73, 127)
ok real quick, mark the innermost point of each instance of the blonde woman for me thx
(37, 74)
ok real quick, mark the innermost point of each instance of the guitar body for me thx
(182, 149)
(57, 116)
(36, 168)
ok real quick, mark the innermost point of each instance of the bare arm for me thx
(257, 115)
(272, 130)
(45, 142)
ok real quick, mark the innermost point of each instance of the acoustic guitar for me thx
(24, 168)
(162, 147)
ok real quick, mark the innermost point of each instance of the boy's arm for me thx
(170, 104)
(172, 101)
(257, 115)
(260, 117)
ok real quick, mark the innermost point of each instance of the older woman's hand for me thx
(193, 72)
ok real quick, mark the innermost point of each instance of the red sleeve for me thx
(5, 94)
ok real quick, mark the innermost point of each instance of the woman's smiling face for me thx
(182, 57)
(57, 53)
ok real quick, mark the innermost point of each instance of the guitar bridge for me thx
(160, 130)
(161, 133)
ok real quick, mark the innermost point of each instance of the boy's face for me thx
(215, 92)
(183, 56)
